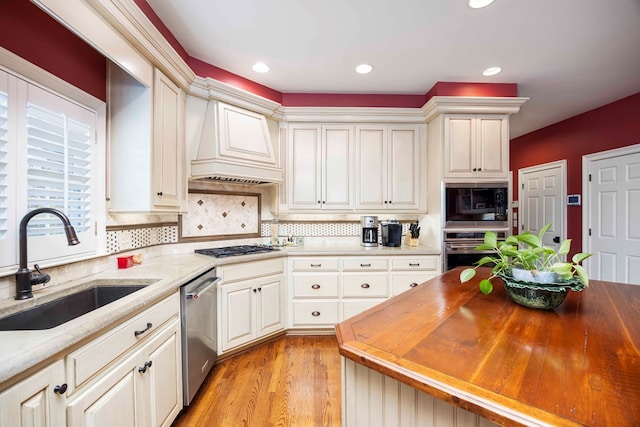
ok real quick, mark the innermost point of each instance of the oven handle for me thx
(466, 249)
(202, 288)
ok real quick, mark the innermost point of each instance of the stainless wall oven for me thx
(459, 247)
(482, 204)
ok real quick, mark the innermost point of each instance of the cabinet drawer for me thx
(364, 264)
(92, 357)
(401, 282)
(426, 263)
(315, 285)
(352, 308)
(315, 313)
(315, 264)
(249, 270)
(364, 285)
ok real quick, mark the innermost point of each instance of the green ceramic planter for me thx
(539, 296)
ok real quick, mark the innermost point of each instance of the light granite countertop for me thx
(22, 350)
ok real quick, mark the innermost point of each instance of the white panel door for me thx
(304, 160)
(337, 174)
(542, 195)
(371, 167)
(612, 216)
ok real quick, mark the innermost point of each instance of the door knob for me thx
(556, 239)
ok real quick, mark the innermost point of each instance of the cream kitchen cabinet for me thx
(143, 389)
(131, 375)
(314, 284)
(319, 167)
(476, 146)
(38, 400)
(250, 302)
(146, 144)
(409, 272)
(388, 167)
(327, 290)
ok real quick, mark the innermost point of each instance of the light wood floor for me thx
(289, 381)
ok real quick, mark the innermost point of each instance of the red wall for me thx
(612, 126)
(33, 35)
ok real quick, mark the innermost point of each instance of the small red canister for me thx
(125, 261)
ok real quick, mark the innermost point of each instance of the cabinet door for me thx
(162, 379)
(110, 401)
(458, 150)
(33, 402)
(237, 308)
(168, 142)
(270, 306)
(304, 167)
(403, 163)
(492, 146)
(371, 167)
(337, 157)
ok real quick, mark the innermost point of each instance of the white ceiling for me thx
(568, 56)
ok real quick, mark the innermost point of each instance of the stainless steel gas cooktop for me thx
(228, 251)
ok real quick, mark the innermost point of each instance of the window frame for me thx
(34, 75)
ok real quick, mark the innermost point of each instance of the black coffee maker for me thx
(391, 233)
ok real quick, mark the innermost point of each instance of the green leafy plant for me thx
(526, 251)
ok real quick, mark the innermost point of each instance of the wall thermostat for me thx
(573, 200)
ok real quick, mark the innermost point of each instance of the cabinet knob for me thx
(60, 389)
(365, 286)
(255, 290)
(159, 193)
(479, 169)
(475, 169)
(144, 368)
(315, 313)
(385, 202)
(315, 286)
(390, 202)
(324, 202)
(318, 201)
(413, 285)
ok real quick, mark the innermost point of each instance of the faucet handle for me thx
(39, 278)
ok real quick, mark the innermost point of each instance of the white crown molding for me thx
(352, 114)
(471, 105)
(208, 88)
(129, 19)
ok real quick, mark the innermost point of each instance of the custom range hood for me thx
(230, 144)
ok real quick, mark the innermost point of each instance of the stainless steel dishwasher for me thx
(199, 350)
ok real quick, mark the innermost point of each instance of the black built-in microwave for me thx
(483, 204)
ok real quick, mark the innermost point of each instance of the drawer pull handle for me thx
(144, 368)
(149, 326)
(60, 389)
(414, 264)
(315, 286)
(315, 313)
(316, 265)
(413, 285)
(365, 286)
(365, 265)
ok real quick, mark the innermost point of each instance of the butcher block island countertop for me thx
(576, 365)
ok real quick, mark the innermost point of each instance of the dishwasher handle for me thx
(202, 287)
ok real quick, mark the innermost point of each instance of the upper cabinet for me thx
(146, 144)
(319, 166)
(354, 168)
(388, 167)
(476, 146)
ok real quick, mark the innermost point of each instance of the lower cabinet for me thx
(251, 301)
(144, 389)
(327, 290)
(38, 400)
(130, 375)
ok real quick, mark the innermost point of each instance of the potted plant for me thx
(530, 269)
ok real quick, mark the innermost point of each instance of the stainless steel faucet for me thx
(25, 279)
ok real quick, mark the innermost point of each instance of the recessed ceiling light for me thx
(364, 68)
(479, 4)
(491, 71)
(260, 67)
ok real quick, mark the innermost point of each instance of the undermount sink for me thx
(54, 313)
